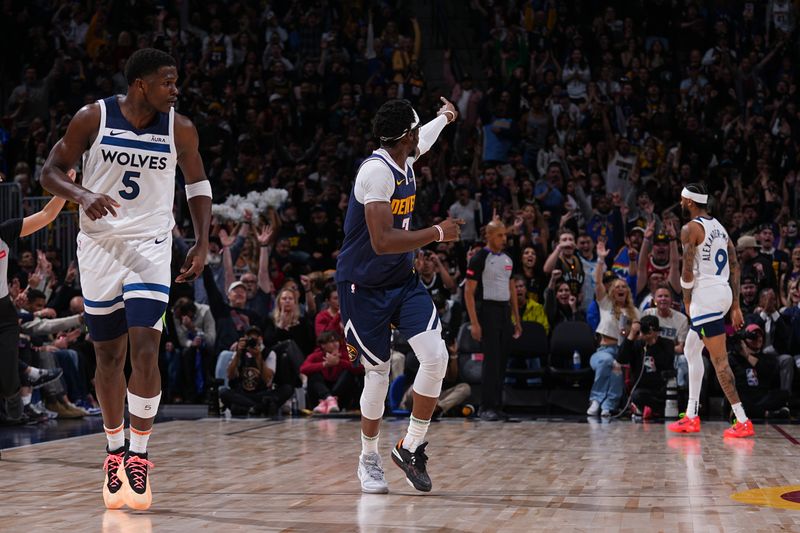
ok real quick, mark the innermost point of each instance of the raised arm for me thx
(644, 257)
(36, 221)
(264, 281)
(599, 270)
(198, 194)
(552, 260)
(429, 133)
(674, 258)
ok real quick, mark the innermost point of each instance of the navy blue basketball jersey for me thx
(357, 261)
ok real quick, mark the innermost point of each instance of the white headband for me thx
(411, 127)
(696, 196)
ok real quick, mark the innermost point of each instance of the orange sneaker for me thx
(740, 430)
(137, 481)
(685, 425)
(113, 495)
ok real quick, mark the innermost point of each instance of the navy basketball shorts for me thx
(368, 315)
(125, 283)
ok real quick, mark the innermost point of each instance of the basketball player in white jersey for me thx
(710, 282)
(131, 145)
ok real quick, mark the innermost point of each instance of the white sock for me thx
(692, 407)
(115, 437)
(26, 399)
(738, 412)
(34, 373)
(693, 349)
(369, 444)
(139, 440)
(416, 433)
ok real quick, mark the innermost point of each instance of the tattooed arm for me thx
(736, 313)
(689, 242)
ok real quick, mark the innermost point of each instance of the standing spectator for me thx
(329, 319)
(755, 264)
(779, 259)
(777, 334)
(468, 210)
(433, 275)
(749, 295)
(563, 258)
(576, 76)
(491, 300)
(529, 309)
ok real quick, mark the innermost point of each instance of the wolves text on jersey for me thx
(134, 160)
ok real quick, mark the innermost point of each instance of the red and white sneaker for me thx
(685, 425)
(740, 430)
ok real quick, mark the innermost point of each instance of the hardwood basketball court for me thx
(299, 475)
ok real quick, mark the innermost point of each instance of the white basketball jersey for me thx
(618, 173)
(137, 169)
(711, 265)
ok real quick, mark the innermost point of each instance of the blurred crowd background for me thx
(579, 124)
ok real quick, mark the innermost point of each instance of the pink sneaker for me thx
(333, 404)
(322, 407)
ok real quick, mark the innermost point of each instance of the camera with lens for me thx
(251, 342)
(745, 335)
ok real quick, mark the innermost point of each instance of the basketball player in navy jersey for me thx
(378, 288)
(131, 145)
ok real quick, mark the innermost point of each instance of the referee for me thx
(491, 301)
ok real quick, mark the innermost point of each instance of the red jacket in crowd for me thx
(313, 364)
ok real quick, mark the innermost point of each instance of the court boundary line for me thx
(785, 434)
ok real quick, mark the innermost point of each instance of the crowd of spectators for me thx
(579, 124)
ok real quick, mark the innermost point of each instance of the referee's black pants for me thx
(497, 330)
(9, 360)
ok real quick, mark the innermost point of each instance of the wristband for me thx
(687, 284)
(441, 232)
(200, 188)
(453, 114)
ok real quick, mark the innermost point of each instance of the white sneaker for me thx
(370, 473)
(594, 408)
(606, 413)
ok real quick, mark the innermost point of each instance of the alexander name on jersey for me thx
(705, 250)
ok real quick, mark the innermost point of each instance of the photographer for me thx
(756, 373)
(649, 355)
(250, 378)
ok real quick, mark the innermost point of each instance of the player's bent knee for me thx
(433, 358)
(376, 385)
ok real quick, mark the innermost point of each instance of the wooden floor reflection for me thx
(299, 475)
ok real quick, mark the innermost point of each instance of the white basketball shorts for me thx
(125, 283)
(708, 309)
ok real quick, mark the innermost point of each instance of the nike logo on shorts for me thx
(115, 133)
(162, 240)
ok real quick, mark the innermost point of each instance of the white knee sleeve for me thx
(376, 385)
(433, 357)
(143, 407)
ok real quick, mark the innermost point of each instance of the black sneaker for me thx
(47, 375)
(413, 464)
(34, 414)
(113, 495)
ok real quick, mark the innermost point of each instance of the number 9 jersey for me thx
(711, 259)
(135, 167)
(711, 295)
